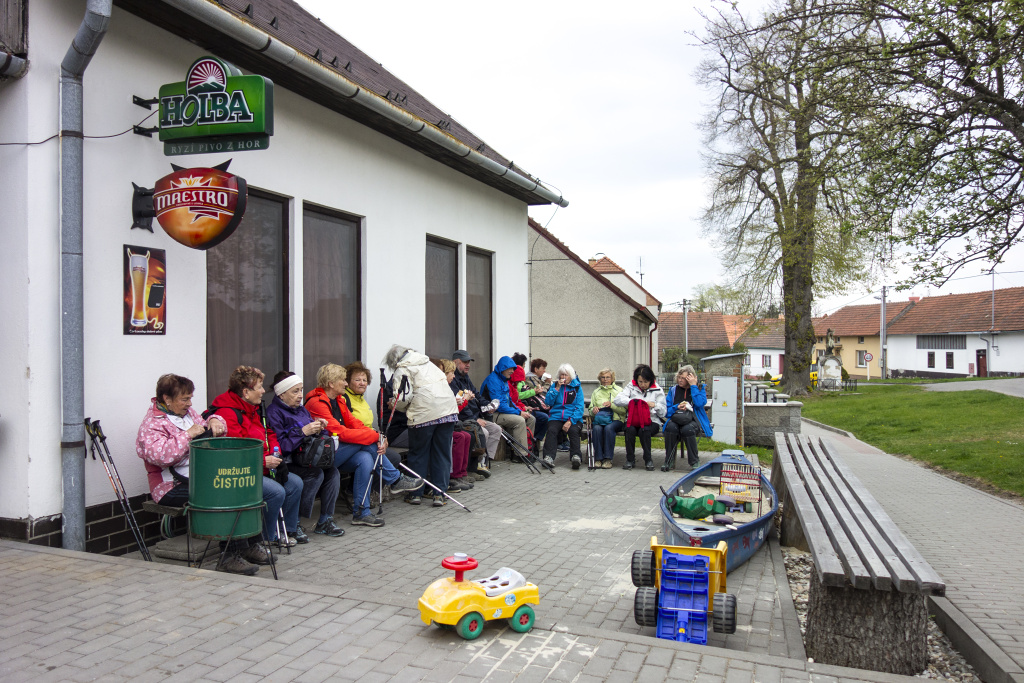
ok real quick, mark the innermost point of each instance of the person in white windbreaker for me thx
(431, 411)
(645, 407)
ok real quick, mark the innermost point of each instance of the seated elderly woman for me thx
(566, 400)
(359, 445)
(293, 424)
(358, 377)
(240, 407)
(168, 428)
(644, 402)
(685, 417)
(607, 419)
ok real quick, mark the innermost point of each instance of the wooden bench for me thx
(868, 607)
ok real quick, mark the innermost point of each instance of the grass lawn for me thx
(923, 380)
(764, 455)
(976, 433)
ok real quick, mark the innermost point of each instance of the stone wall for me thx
(764, 419)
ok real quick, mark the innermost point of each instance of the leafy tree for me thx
(674, 358)
(779, 135)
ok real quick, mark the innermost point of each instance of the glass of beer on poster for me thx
(144, 283)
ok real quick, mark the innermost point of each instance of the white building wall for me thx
(756, 366)
(315, 156)
(1007, 357)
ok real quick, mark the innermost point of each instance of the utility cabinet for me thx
(724, 406)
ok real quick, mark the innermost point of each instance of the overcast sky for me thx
(597, 99)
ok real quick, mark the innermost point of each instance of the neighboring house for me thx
(618, 276)
(373, 218)
(700, 332)
(735, 326)
(855, 334)
(765, 341)
(977, 334)
(577, 316)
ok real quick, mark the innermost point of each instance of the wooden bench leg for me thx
(867, 629)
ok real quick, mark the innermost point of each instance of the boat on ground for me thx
(737, 475)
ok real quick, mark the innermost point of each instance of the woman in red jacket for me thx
(359, 445)
(239, 407)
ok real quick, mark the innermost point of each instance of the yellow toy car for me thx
(467, 605)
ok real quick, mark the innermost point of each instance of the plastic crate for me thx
(683, 598)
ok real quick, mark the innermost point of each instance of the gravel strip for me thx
(944, 662)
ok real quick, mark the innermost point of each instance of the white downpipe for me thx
(224, 21)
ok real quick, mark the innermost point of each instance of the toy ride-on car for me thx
(466, 605)
(678, 587)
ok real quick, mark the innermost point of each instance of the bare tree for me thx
(780, 136)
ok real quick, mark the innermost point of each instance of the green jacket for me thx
(602, 394)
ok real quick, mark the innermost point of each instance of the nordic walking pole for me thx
(590, 443)
(96, 434)
(525, 459)
(382, 435)
(119, 488)
(443, 493)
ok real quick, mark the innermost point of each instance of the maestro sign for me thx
(216, 109)
(197, 207)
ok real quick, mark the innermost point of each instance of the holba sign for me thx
(216, 109)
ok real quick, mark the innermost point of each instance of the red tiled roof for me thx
(606, 265)
(960, 313)
(767, 333)
(706, 331)
(558, 244)
(862, 321)
(735, 326)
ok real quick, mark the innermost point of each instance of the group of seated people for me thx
(450, 428)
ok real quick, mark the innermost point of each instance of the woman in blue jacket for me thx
(566, 400)
(685, 416)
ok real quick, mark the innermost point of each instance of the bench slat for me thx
(901, 576)
(847, 516)
(928, 579)
(826, 562)
(856, 572)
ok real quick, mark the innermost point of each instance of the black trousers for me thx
(551, 442)
(686, 433)
(645, 434)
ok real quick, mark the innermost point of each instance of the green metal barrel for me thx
(225, 487)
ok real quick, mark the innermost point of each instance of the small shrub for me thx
(845, 375)
(767, 376)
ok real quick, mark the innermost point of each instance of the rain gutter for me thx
(72, 361)
(219, 18)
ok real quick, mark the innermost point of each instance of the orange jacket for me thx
(349, 429)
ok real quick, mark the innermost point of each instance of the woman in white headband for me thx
(292, 423)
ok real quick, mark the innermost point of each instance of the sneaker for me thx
(299, 535)
(256, 554)
(439, 501)
(233, 564)
(413, 500)
(477, 476)
(549, 460)
(628, 466)
(465, 482)
(563, 447)
(406, 483)
(649, 467)
(329, 528)
(286, 542)
(576, 460)
(367, 519)
(453, 486)
(607, 464)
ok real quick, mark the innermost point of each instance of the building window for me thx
(247, 295)
(931, 359)
(860, 340)
(479, 314)
(330, 291)
(766, 360)
(442, 299)
(942, 341)
(861, 363)
(949, 360)
(746, 360)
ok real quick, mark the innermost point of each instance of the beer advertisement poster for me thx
(145, 278)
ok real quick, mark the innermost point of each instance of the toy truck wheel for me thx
(642, 569)
(522, 619)
(470, 625)
(645, 606)
(723, 617)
